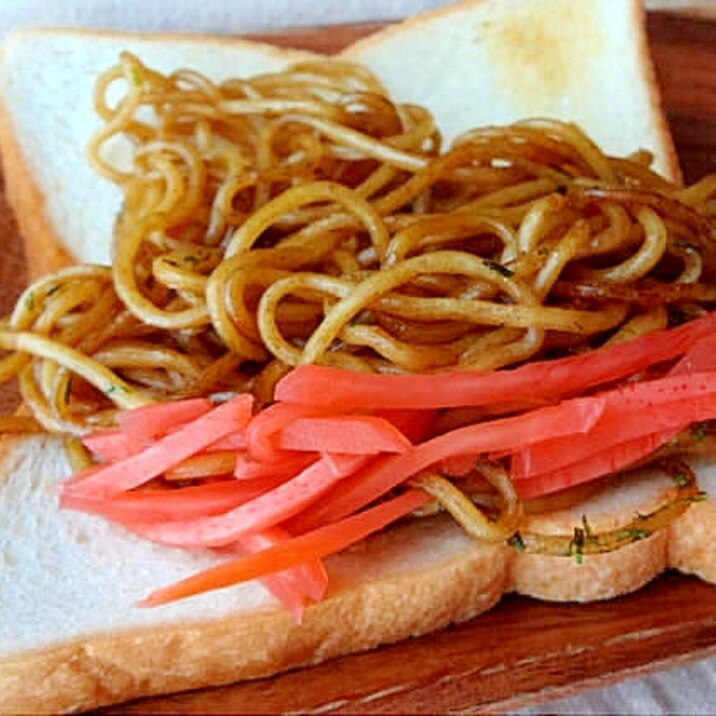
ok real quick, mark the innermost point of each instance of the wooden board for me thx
(523, 651)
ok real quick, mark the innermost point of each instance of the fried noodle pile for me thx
(304, 217)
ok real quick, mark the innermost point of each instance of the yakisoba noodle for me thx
(303, 216)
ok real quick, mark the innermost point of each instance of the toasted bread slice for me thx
(597, 576)
(71, 637)
(477, 63)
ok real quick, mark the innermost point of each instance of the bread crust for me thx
(423, 18)
(44, 251)
(658, 114)
(595, 577)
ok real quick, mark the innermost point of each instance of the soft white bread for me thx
(478, 62)
(64, 211)
(71, 638)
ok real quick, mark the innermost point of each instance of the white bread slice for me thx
(597, 576)
(484, 62)
(65, 212)
(71, 638)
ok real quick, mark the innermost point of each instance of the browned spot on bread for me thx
(551, 55)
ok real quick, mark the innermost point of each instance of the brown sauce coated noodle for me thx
(304, 217)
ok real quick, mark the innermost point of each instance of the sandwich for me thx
(76, 573)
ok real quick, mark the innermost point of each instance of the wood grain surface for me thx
(523, 651)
